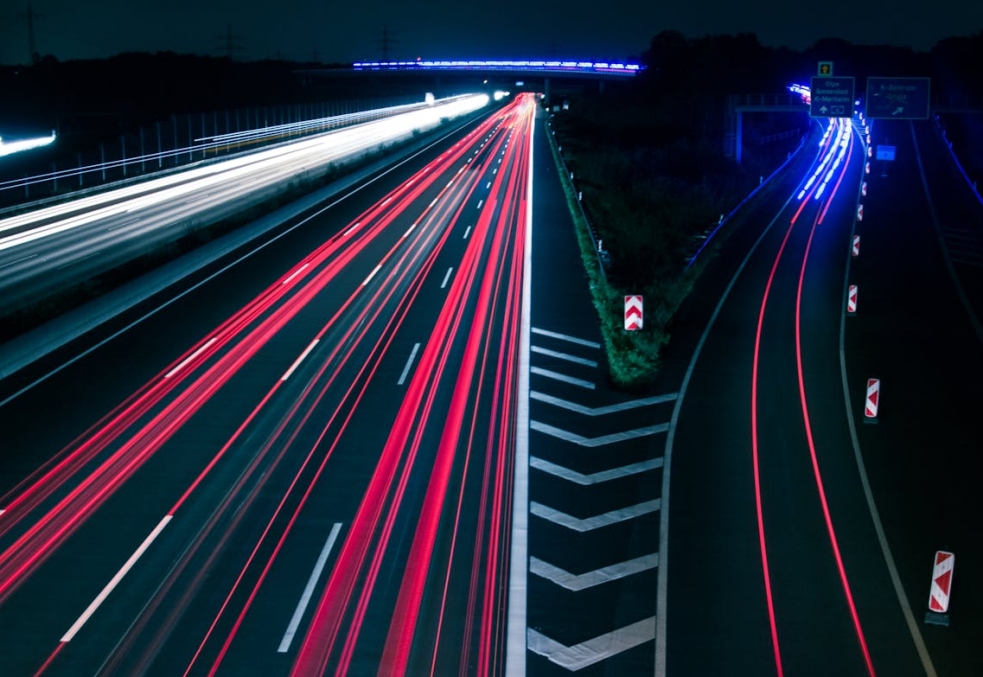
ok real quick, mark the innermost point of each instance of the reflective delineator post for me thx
(938, 597)
(873, 400)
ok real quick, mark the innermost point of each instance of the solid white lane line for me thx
(296, 273)
(516, 638)
(598, 441)
(564, 356)
(407, 233)
(578, 582)
(596, 522)
(600, 411)
(467, 232)
(480, 202)
(101, 597)
(189, 358)
(372, 274)
(409, 363)
(594, 650)
(562, 377)
(447, 277)
(309, 589)
(299, 360)
(597, 477)
(564, 337)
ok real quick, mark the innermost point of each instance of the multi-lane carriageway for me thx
(304, 460)
(319, 483)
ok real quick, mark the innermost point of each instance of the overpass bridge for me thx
(502, 73)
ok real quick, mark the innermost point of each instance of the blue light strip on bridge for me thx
(605, 67)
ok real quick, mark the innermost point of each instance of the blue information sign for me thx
(831, 97)
(898, 98)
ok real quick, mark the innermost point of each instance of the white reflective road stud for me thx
(873, 400)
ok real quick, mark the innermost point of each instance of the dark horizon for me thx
(306, 31)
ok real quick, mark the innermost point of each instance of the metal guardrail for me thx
(568, 180)
(972, 184)
(743, 202)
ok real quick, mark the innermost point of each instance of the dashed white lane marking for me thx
(296, 273)
(597, 477)
(409, 363)
(596, 522)
(189, 358)
(101, 597)
(447, 277)
(594, 650)
(598, 441)
(300, 359)
(578, 582)
(372, 274)
(305, 598)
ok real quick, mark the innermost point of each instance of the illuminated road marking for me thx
(578, 582)
(480, 202)
(101, 597)
(564, 356)
(409, 363)
(350, 230)
(515, 655)
(593, 650)
(296, 273)
(488, 186)
(432, 203)
(299, 360)
(597, 477)
(371, 275)
(305, 598)
(410, 230)
(562, 377)
(386, 201)
(598, 441)
(467, 232)
(596, 522)
(447, 277)
(600, 411)
(564, 337)
(189, 358)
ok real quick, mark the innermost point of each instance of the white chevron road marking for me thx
(578, 582)
(592, 651)
(596, 522)
(597, 477)
(598, 441)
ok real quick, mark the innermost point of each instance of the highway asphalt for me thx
(211, 461)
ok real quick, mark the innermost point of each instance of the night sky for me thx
(349, 30)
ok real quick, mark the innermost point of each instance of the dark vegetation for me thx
(653, 159)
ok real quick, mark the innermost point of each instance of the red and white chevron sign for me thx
(863, 189)
(851, 300)
(873, 399)
(633, 313)
(856, 245)
(938, 599)
(860, 212)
